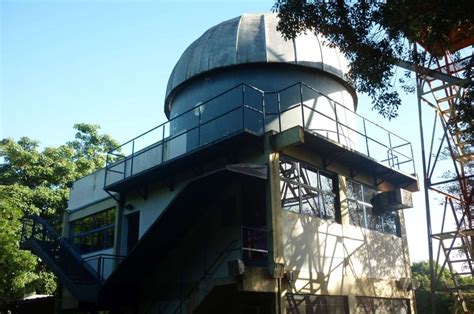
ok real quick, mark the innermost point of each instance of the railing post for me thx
(133, 157)
(199, 126)
(390, 150)
(106, 168)
(243, 106)
(337, 123)
(412, 159)
(263, 112)
(100, 268)
(366, 139)
(125, 167)
(279, 111)
(302, 104)
(163, 144)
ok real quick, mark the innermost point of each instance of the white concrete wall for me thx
(88, 190)
(153, 206)
(330, 258)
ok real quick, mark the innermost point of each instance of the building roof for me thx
(253, 38)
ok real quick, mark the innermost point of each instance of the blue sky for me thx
(107, 62)
(103, 62)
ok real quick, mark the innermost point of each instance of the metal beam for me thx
(432, 73)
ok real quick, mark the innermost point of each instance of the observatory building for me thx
(264, 192)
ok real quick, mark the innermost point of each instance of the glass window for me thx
(381, 305)
(307, 190)
(361, 212)
(94, 232)
(312, 304)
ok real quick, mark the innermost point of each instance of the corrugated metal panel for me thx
(253, 38)
(223, 52)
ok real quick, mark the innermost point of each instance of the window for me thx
(312, 304)
(362, 214)
(307, 190)
(94, 232)
(380, 305)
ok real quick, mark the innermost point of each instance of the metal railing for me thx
(320, 114)
(104, 264)
(245, 108)
(197, 127)
(36, 228)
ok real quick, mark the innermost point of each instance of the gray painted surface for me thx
(253, 38)
(225, 114)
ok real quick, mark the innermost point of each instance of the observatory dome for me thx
(252, 39)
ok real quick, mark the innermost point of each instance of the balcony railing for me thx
(104, 264)
(245, 108)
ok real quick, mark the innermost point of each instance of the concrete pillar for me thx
(344, 204)
(274, 221)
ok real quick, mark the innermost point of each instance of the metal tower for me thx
(445, 87)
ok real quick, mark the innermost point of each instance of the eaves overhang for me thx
(332, 152)
(226, 147)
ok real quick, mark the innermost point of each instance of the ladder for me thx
(445, 98)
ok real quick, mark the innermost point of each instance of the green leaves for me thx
(373, 35)
(34, 181)
(444, 300)
(90, 148)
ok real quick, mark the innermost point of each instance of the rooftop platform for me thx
(219, 126)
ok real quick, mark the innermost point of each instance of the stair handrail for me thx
(229, 248)
(57, 238)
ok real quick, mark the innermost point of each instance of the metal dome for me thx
(253, 38)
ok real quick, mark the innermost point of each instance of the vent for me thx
(392, 200)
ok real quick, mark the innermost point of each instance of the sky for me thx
(107, 62)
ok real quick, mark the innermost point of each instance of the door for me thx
(133, 227)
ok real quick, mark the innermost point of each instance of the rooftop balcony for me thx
(246, 110)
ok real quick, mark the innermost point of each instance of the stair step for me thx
(438, 88)
(454, 248)
(446, 98)
(67, 264)
(459, 261)
(465, 157)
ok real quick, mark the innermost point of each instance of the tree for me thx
(375, 35)
(444, 300)
(38, 182)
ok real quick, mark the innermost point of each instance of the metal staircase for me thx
(207, 273)
(455, 238)
(62, 259)
(446, 100)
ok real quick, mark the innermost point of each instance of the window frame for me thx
(307, 193)
(363, 205)
(365, 304)
(315, 303)
(87, 228)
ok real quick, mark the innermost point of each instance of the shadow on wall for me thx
(328, 258)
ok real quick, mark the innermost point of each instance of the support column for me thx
(274, 222)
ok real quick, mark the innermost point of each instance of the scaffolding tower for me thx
(445, 87)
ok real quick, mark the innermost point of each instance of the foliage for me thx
(461, 121)
(444, 301)
(374, 35)
(34, 181)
